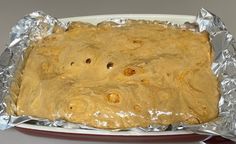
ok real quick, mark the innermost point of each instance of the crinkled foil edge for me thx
(38, 25)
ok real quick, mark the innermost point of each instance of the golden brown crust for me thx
(119, 77)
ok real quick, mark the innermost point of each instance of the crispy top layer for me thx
(110, 76)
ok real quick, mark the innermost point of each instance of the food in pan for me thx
(110, 76)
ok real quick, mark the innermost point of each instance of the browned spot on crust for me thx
(129, 72)
(113, 98)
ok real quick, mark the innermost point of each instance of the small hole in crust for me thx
(144, 80)
(88, 60)
(72, 63)
(137, 41)
(71, 107)
(110, 65)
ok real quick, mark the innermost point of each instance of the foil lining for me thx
(38, 25)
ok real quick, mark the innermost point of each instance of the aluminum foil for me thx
(38, 25)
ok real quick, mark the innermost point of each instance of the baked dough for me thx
(110, 76)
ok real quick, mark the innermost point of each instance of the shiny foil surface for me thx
(38, 25)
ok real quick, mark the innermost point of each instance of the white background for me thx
(13, 10)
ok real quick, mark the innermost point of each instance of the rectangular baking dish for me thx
(103, 135)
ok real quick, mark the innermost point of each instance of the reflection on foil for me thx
(37, 25)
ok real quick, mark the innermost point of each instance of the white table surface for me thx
(13, 10)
